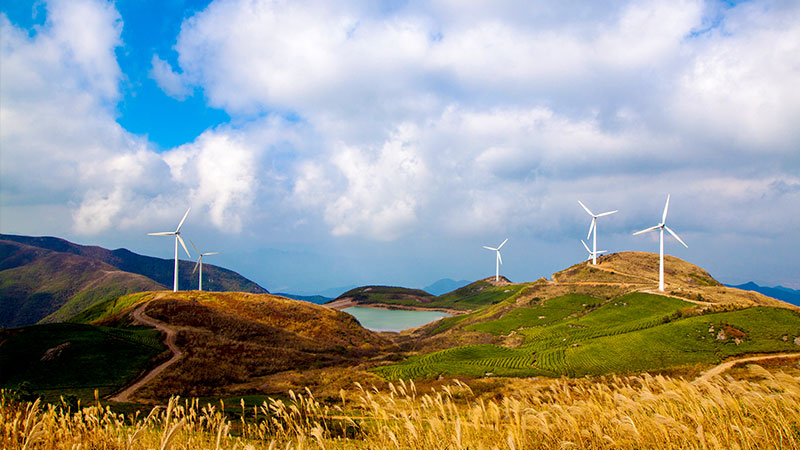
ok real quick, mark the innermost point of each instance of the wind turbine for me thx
(662, 226)
(593, 227)
(177, 234)
(592, 254)
(200, 263)
(499, 259)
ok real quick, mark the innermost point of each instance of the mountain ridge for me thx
(50, 279)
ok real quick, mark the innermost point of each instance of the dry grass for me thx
(614, 412)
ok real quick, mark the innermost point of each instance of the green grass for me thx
(107, 308)
(634, 333)
(477, 295)
(545, 313)
(96, 357)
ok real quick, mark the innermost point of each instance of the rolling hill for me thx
(609, 318)
(233, 342)
(470, 297)
(50, 279)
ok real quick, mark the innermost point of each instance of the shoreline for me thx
(349, 303)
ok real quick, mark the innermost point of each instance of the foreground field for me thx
(757, 409)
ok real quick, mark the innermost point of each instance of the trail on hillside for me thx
(140, 317)
(716, 370)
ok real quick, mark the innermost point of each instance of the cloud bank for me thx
(456, 121)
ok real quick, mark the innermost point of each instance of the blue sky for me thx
(325, 144)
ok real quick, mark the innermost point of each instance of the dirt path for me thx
(714, 371)
(140, 317)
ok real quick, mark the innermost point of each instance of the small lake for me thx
(392, 319)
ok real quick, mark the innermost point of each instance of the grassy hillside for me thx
(158, 269)
(71, 358)
(634, 333)
(592, 320)
(234, 342)
(46, 279)
(43, 285)
(467, 298)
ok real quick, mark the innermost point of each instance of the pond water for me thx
(392, 319)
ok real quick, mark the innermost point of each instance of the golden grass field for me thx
(752, 407)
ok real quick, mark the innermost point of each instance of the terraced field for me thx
(576, 335)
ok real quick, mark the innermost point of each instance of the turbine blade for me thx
(210, 253)
(194, 247)
(676, 236)
(197, 264)
(648, 229)
(591, 227)
(607, 213)
(163, 233)
(501, 245)
(586, 246)
(182, 220)
(489, 248)
(587, 209)
(666, 207)
(601, 251)
(499, 258)
(180, 239)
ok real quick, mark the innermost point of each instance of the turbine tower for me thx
(499, 259)
(662, 226)
(592, 254)
(200, 263)
(177, 234)
(593, 227)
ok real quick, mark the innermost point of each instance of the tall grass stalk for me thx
(638, 412)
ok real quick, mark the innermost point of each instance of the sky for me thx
(327, 144)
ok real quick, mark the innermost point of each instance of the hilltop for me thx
(47, 279)
(234, 342)
(608, 318)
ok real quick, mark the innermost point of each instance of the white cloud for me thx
(219, 170)
(169, 81)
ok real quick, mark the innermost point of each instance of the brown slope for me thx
(36, 282)
(232, 341)
(639, 271)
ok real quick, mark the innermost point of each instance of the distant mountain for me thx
(781, 293)
(50, 279)
(444, 286)
(315, 299)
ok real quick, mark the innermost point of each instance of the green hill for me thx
(46, 279)
(593, 320)
(474, 295)
(43, 285)
(57, 359)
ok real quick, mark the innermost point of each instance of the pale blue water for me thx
(392, 319)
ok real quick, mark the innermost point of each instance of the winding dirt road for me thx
(140, 317)
(714, 371)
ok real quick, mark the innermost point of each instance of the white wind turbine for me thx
(200, 263)
(662, 226)
(592, 254)
(177, 234)
(593, 227)
(499, 259)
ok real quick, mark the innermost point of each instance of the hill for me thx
(315, 299)
(50, 279)
(444, 286)
(39, 284)
(470, 297)
(238, 342)
(779, 292)
(608, 318)
(60, 359)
